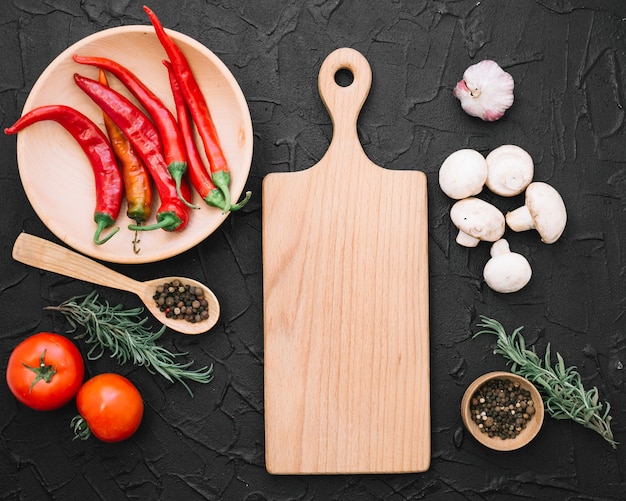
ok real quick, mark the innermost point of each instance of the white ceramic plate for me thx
(57, 176)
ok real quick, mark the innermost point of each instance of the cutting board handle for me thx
(344, 103)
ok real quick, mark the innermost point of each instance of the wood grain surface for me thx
(345, 264)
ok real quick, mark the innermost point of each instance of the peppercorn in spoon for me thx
(46, 255)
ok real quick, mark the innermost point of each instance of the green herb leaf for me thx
(561, 387)
(124, 334)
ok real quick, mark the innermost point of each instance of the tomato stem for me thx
(80, 427)
(43, 371)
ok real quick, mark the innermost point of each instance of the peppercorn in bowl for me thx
(502, 410)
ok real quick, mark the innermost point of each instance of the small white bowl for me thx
(56, 175)
(525, 435)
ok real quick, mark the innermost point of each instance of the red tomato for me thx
(111, 406)
(45, 371)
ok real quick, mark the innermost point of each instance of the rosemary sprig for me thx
(561, 387)
(124, 333)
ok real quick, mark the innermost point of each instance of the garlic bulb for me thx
(486, 91)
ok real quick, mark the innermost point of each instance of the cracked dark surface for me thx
(568, 59)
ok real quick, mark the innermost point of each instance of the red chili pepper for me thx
(198, 175)
(94, 143)
(196, 170)
(173, 214)
(172, 142)
(137, 182)
(198, 108)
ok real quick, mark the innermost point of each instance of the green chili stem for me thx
(103, 221)
(167, 221)
(177, 171)
(221, 179)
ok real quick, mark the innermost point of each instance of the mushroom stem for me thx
(466, 240)
(520, 219)
(500, 248)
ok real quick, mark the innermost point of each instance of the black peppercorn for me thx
(501, 408)
(180, 301)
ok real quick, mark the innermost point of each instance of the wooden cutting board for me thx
(345, 280)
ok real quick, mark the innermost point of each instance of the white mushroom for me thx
(510, 170)
(506, 271)
(463, 174)
(544, 211)
(476, 220)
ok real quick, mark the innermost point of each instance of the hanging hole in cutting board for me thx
(344, 77)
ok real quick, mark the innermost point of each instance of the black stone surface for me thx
(568, 59)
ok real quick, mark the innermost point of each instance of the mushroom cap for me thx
(463, 174)
(510, 170)
(506, 271)
(477, 220)
(546, 209)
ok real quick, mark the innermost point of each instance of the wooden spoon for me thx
(49, 256)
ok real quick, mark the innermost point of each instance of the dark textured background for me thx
(568, 59)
